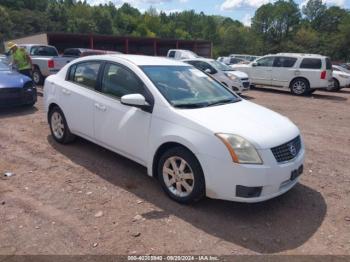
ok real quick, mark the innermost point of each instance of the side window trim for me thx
(74, 66)
(148, 95)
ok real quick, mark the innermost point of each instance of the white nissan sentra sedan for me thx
(193, 134)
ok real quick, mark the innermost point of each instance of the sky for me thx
(242, 10)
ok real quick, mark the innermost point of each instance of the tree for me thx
(314, 10)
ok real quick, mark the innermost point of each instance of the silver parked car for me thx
(236, 80)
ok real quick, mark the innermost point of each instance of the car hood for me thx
(238, 74)
(13, 79)
(240, 66)
(259, 125)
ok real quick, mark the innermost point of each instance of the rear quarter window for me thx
(172, 54)
(311, 63)
(328, 64)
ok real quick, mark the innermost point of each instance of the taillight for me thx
(323, 74)
(51, 64)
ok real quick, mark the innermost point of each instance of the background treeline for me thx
(276, 27)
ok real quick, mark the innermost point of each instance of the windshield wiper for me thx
(190, 105)
(222, 102)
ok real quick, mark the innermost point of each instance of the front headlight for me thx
(240, 149)
(231, 76)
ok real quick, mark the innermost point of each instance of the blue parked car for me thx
(15, 89)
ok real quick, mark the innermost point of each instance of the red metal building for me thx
(124, 44)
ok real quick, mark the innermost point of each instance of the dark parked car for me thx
(15, 89)
(80, 52)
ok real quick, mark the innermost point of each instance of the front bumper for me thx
(17, 97)
(241, 86)
(272, 178)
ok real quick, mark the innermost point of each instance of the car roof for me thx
(299, 55)
(139, 60)
(198, 59)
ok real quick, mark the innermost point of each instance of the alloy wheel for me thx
(178, 176)
(299, 87)
(57, 125)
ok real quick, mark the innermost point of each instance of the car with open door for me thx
(197, 137)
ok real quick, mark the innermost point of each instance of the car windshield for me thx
(220, 66)
(4, 67)
(188, 87)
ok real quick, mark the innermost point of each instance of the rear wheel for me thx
(336, 85)
(38, 78)
(300, 87)
(58, 126)
(181, 175)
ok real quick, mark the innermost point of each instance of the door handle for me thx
(100, 107)
(65, 91)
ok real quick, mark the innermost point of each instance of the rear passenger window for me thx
(86, 74)
(118, 81)
(311, 63)
(284, 61)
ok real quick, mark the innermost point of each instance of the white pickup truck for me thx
(46, 61)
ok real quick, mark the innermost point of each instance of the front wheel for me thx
(58, 126)
(181, 175)
(300, 87)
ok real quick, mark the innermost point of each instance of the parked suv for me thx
(179, 54)
(235, 80)
(301, 73)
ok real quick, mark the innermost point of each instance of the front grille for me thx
(287, 151)
(245, 79)
(245, 84)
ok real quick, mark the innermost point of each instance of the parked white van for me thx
(301, 73)
(180, 54)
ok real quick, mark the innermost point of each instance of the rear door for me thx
(77, 94)
(311, 69)
(283, 71)
(261, 73)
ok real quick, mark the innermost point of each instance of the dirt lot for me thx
(83, 199)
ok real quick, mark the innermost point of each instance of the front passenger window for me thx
(118, 81)
(266, 61)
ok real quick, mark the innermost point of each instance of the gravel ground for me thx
(83, 199)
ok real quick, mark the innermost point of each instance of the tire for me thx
(58, 126)
(189, 185)
(336, 85)
(300, 87)
(38, 78)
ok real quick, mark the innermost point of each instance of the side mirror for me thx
(137, 100)
(254, 64)
(208, 71)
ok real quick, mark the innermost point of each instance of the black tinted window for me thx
(311, 63)
(284, 61)
(172, 54)
(118, 81)
(328, 64)
(43, 51)
(86, 74)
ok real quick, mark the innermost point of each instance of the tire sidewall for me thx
(39, 77)
(198, 191)
(66, 134)
(307, 87)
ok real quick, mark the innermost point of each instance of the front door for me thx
(262, 71)
(122, 128)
